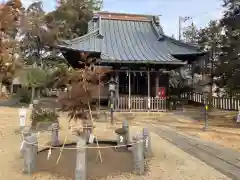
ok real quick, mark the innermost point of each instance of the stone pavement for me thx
(225, 160)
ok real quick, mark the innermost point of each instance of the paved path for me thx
(224, 160)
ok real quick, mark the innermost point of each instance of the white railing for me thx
(139, 103)
(55, 92)
(218, 102)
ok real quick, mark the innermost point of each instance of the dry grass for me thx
(168, 162)
(222, 127)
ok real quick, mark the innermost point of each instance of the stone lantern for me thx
(112, 90)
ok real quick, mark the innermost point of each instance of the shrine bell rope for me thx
(86, 147)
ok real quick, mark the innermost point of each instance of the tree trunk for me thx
(230, 96)
(38, 92)
(11, 89)
(33, 94)
(0, 88)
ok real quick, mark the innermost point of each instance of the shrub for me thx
(24, 94)
(43, 115)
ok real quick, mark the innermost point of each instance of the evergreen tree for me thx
(72, 17)
(229, 65)
(190, 34)
(42, 32)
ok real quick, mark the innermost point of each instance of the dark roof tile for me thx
(129, 38)
(176, 47)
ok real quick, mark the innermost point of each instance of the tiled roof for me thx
(90, 42)
(176, 47)
(129, 38)
(132, 40)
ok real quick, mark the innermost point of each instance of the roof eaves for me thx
(196, 53)
(64, 42)
(84, 37)
(144, 62)
(62, 47)
(180, 43)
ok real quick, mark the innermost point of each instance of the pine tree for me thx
(229, 65)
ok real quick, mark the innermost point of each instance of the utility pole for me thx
(179, 27)
(211, 74)
(180, 21)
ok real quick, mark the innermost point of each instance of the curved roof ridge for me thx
(125, 16)
(84, 37)
(121, 13)
(159, 31)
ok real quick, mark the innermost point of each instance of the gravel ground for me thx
(168, 163)
(221, 128)
(171, 163)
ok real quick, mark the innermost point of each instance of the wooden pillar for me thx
(134, 82)
(117, 90)
(137, 85)
(129, 89)
(192, 73)
(99, 93)
(157, 83)
(148, 76)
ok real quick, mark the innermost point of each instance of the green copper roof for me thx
(90, 42)
(129, 41)
(176, 47)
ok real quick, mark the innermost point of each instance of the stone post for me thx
(80, 171)
(25, 133)
(121, 140)
(146, 143)
(138, 157)
(30, 153)
(54, 136)
(125, 126)
(22, 117)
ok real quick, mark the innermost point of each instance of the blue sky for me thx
(202, 11)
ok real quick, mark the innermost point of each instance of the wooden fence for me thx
(134, 103)
(223, 103)
(138, 103)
